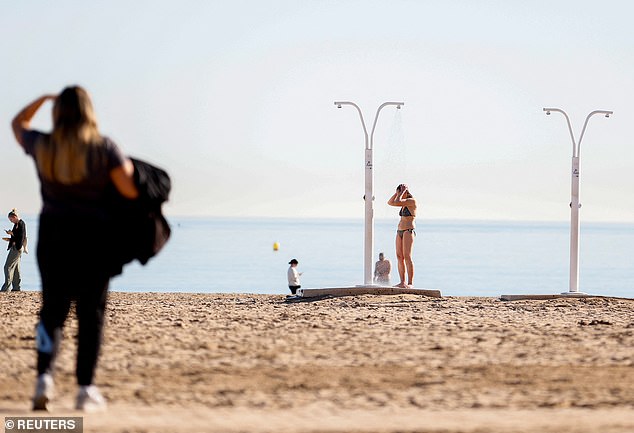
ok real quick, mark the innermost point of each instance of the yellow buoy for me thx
(276, 246)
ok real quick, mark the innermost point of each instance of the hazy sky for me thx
(235, 100)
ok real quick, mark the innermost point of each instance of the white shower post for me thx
(575, 204)
(369, 189)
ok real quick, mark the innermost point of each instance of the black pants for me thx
(71, 275)
(294, 289)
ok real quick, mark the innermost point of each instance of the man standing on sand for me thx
(16, 242)
(293, 276)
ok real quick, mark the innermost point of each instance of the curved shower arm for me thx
(605, 112)
(572, 137)
(376, 118)
(365, 131)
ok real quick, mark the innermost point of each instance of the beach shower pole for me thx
(369, 189)
(575, 204)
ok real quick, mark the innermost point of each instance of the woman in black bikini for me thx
(405, 234)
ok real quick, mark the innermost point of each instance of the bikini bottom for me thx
(400, 232)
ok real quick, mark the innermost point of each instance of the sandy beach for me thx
(405, 363)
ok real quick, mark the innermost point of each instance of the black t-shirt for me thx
(18, 236)
(86, 198)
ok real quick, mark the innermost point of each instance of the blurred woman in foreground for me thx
(76, 166)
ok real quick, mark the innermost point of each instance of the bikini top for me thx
(404, 212)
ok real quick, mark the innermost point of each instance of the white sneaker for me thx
(44, 390)
(89, 399)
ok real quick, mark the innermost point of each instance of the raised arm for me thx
(398, 200)
(22, 121)
(395, 197)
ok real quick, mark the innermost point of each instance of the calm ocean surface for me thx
(457, 257)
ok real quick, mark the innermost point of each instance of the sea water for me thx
(460, 258)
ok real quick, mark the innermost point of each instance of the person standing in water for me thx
(405, 234)
(293, 276)
(77, 167)
(382, 270)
